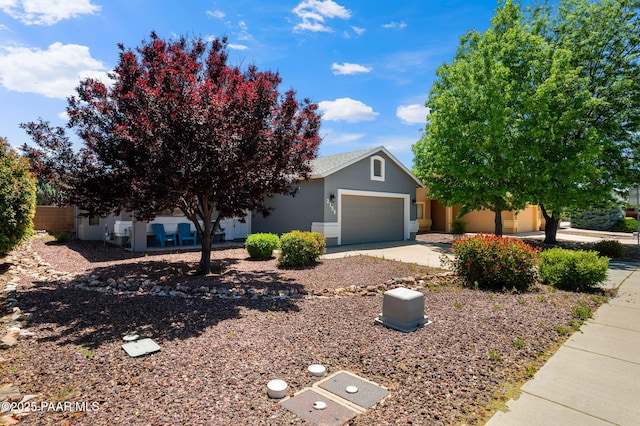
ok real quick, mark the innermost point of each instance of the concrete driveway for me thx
(427, 254)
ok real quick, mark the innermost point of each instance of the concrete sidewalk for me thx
(594, 378)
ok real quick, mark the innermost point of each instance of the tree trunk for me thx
(498, 222)
(203, 212)
(205, 254)
(551, 225)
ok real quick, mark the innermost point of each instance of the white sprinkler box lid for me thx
(141, 347)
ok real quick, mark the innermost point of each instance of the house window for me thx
(377, 168)
(420, 211)
(94, 220)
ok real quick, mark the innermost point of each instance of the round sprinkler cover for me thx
(277, 388)
(319, 405)
(317, 370)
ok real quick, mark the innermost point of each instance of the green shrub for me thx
(299, 248)
(61, 237)
(574, 270)
(487, 261)
(609, 248)
(458, 227)
(261, 246)
(600, 220)
(628, 224)
(17, 198)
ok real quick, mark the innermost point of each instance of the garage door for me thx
(371, 219)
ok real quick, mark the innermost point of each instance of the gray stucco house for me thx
(356, 197)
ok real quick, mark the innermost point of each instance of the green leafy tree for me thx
(585, 143)
(179, 128)
(17, 198)
(470, 153)
(555, 121)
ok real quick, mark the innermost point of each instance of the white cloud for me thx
(47, 12)
(394, 24)
(314, 12)
(315, 27)
(234, 46)
(396, 144)
(54, 72)
(243, 34)
(346, 109)
(218, 14)
(341, 139)
(359, 31)
(412, 114)
(348, 68)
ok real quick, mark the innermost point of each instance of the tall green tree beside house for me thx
(559, 126)
(586, 142)
(17, 198)
(471, 150)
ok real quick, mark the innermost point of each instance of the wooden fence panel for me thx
(53, 219)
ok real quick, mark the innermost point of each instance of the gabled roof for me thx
(322, 167)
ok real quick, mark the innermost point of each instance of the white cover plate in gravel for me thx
(367, 395)
(141, 347)
(302, 405)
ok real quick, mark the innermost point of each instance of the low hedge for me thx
(298, 248)
(574, 270)
(261, 245)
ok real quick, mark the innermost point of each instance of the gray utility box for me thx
(403, 310)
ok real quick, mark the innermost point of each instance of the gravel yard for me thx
(218, 354)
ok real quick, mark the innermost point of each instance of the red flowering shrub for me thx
(489, 261)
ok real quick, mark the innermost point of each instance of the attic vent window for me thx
(377, 168)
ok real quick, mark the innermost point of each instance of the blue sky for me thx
(369, 64)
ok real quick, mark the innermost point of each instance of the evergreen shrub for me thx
(609, 248)
(628, 224)
(458, 227)
(17, 198)
(574, 270)
(261, 245)
(298, 248)
(598, 220)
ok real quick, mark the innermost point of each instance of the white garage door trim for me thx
(405, 197)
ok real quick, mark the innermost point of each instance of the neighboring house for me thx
(356, 197)
(435, 217)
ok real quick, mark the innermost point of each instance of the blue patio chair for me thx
(161, 236)
(185, 233)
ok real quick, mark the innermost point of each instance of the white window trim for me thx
(382, 171)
